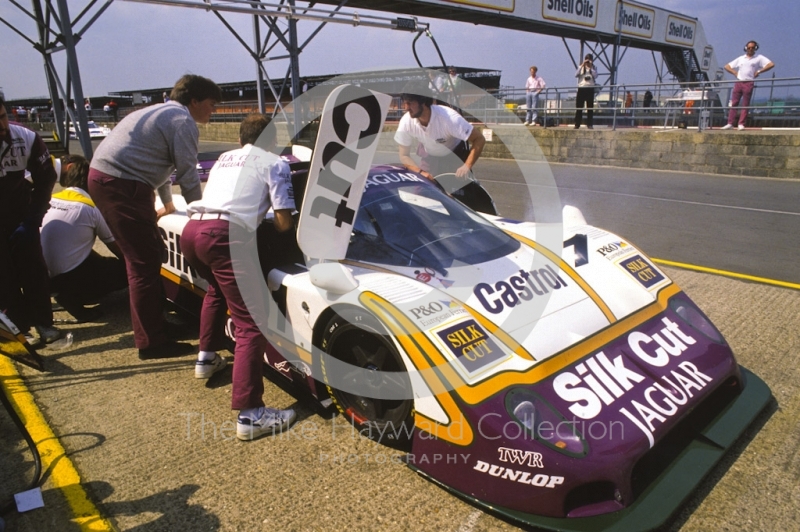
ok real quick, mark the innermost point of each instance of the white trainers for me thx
(204, 369)
(269, 421)
(526, 123)
(740, 128)
(727, 126)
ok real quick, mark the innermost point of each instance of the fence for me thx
(775, 102)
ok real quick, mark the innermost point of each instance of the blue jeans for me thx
(531, 101)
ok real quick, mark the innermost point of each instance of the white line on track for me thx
(717, 205)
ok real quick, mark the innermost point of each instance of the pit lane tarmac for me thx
(155, 448)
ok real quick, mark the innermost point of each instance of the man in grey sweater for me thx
(137, 158)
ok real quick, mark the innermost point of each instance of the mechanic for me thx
(746, 68)
(27, 176)
(441, 132)
(241, 187)
(136, 158)
(78, 274)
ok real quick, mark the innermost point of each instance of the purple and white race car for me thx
(561, 381)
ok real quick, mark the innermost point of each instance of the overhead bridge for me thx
(614, 25)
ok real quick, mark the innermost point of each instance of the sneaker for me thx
(727, 126)
(32, 340)
(270, 421)
(166, 350)
(48, 334)
(740, 128)
(204, 369)
(589, 127)
(577, 126)
(526, 123)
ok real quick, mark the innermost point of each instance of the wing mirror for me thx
(333, 277)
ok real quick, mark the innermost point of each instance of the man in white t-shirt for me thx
(242, 186)
(442, 134)
(746, 68)
(78, 274)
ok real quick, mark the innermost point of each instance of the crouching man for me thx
(78, 274)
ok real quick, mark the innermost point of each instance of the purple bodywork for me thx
(506, 466)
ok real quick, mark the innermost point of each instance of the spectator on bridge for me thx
(587, 80)
(746, 68)
(136, 158)
(222, 227)
(533, 87)
(27, 176)
(78, 274)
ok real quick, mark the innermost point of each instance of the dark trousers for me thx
(24, 282)
(585, 97)
(207, 245)
(94, 278)
(129, 210)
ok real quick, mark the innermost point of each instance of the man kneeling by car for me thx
(216, 241)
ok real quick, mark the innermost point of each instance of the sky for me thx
(140, 46)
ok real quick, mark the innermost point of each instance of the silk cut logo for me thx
(470, 344)
(641, 270)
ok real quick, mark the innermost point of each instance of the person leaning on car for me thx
(78, 274)
(241, 187)
(136, 158)
(442, 134)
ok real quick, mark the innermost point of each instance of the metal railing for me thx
(775, 102)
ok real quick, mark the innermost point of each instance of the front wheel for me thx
(372, 367)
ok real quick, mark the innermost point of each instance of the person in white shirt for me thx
(442, 133)
(78, 274)
(452, 86)
(746, 68)
(534, 85)
(242, 186)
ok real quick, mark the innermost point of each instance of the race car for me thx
(562, 380)
(95, 131)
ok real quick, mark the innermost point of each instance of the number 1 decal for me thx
(580, 245)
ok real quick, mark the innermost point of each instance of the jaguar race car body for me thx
(554, 375)
(95, 131)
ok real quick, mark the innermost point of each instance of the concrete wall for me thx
(751, 153)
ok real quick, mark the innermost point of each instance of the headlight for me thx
(544, 423)
(696, 320)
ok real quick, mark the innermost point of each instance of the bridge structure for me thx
(608, 28)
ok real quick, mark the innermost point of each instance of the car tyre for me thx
(356, 337)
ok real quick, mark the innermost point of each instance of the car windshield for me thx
(405, 220)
